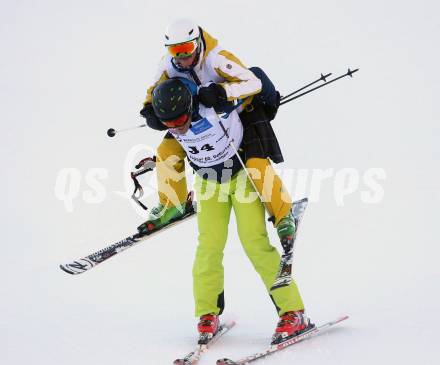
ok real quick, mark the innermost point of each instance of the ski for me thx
(284, 276)
(194, 356)
(88, 262)
(275, 348)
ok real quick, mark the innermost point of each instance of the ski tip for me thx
(179, 362)
(342, 318)
(65, 269)
(225, 362)
(231, 323)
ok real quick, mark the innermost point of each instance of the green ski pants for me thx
(214, 207)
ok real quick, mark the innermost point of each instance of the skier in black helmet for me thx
(211, 142)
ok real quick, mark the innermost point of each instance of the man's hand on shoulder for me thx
(213, 96)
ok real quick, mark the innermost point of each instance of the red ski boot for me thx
(207, 327)
(290, 325)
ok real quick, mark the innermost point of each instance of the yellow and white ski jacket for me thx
(217, 65)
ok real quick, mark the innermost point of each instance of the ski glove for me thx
(270, 108)
(213, 96)
(152, 121)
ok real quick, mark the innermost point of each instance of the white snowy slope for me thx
(71, 70)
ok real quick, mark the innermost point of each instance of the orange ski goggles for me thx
(176, 123)
(182, 50)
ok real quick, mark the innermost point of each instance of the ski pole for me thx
(322, 78)
(349, 73)
(112, 132)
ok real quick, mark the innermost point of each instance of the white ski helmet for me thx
(181, 31)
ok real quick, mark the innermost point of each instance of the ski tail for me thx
(194, 356)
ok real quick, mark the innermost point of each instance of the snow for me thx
(71, 70)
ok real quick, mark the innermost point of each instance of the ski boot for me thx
(208, 327)
(291, 324)
(286, 230)
(160, 216)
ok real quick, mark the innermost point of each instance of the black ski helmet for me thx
(171, 99)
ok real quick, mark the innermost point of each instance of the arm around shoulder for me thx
(240, 82)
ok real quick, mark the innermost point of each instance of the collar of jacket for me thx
(209, 43)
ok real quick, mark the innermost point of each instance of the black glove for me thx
(213, 96)
(152, 121)
(270, 109)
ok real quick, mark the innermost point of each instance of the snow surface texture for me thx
(70, 70)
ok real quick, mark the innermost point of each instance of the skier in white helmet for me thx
(222, 79)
